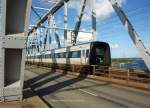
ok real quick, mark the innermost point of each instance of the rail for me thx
(129, 77)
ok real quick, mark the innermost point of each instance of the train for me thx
(91, 53)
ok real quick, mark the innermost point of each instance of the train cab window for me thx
(99, 55)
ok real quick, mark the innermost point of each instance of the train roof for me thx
(93, 42)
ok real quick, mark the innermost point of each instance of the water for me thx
(136, 63)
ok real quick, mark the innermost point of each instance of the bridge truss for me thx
(74, 33)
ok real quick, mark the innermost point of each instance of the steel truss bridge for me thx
(15, 40)
(33, 44)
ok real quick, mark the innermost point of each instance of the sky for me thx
(109, 27)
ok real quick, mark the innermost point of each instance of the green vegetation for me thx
(122, 60)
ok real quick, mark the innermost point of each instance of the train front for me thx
(100, 54)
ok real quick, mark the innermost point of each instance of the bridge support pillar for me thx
(14, 20)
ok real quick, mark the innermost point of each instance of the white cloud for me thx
(114, 45)
(83, 37)
(103, 8)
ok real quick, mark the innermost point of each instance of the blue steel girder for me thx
(51, 11)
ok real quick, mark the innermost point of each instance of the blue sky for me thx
(109, 27)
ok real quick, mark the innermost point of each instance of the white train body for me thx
(74, 55)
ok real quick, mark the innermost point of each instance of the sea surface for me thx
(136, 63)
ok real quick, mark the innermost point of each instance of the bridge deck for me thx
(63, 91)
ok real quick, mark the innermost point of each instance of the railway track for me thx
(127, 77)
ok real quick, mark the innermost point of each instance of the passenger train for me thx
(92, 53)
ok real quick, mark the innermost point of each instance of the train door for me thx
(83, 57)
(87, 54)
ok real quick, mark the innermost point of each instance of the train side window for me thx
(87, 53)
(76, 54)
(64, 55)
(67, 54)
(61, 55)
(56, 55)
(52, 55)
(49, 55)
(83, 53)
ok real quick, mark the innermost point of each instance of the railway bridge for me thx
(50, 61)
